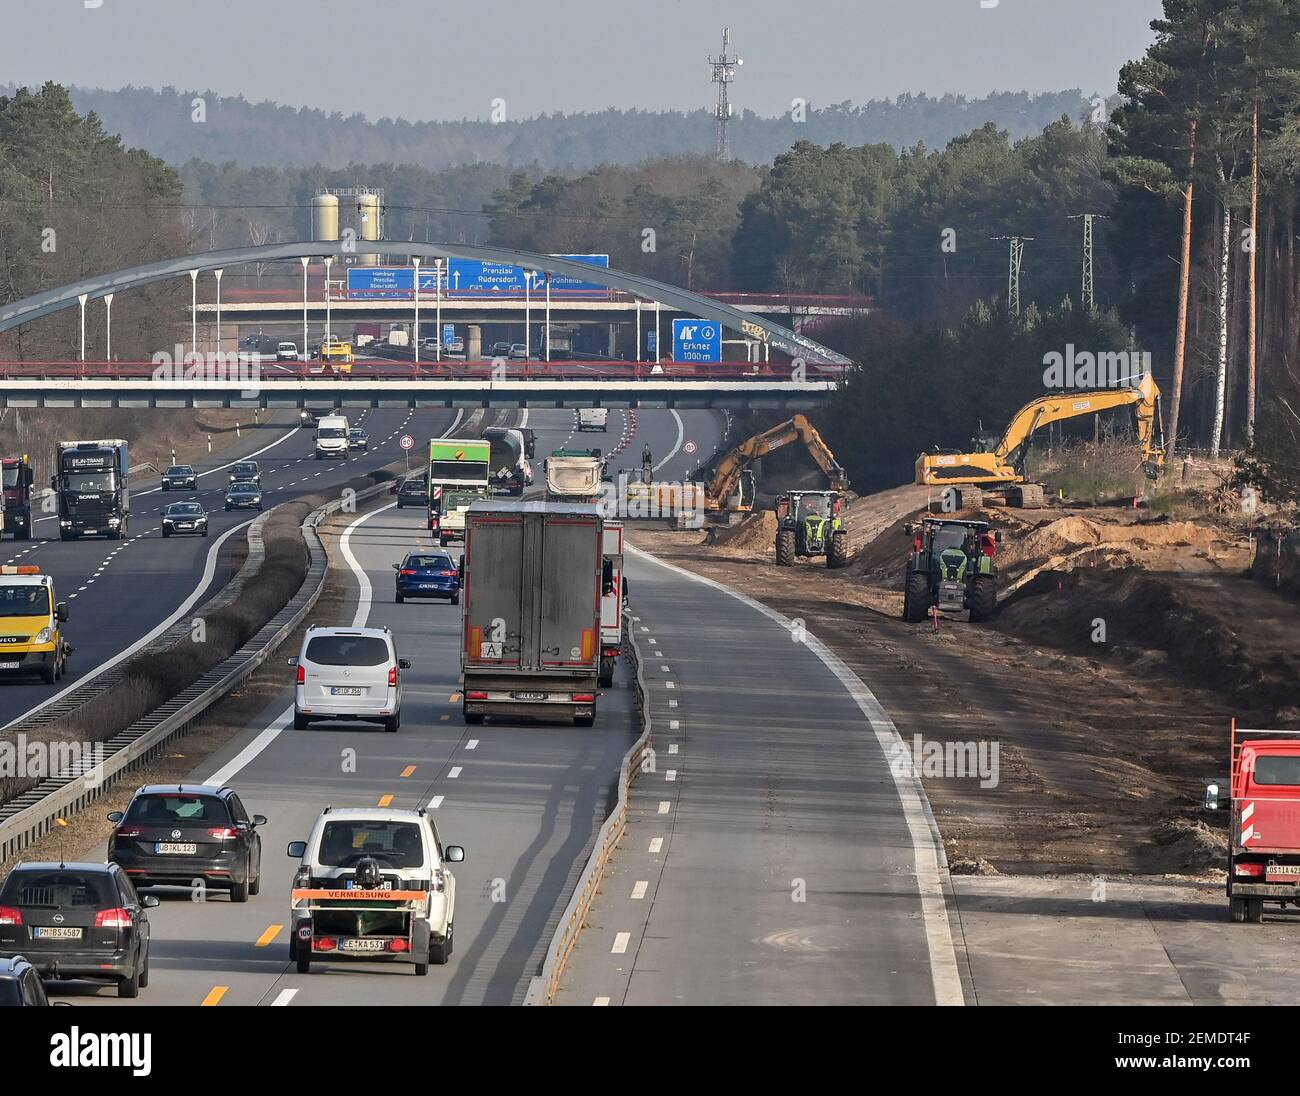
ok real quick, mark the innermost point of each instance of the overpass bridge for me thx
(246, 382)
(802, 371)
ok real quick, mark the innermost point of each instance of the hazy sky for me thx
(421, 59)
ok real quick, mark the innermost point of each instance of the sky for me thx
(448, 59)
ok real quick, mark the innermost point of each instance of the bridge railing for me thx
(399, 370)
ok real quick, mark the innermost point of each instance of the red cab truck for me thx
(1264, 821)
(530, 596)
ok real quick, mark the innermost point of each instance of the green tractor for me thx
(811, 523)
(951, 568)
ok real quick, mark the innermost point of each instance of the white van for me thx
(332, 436)
(593, 418)
(287, 352)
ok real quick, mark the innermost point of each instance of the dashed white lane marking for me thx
(284, 997)
(601, 1001)
(944, 975)
(639, 889)
(664, 668)
(670, 775)
(674, 724)
(454, 773)
(654, 643)
(656, 844)
(672, 704)
(665, 805)
(672, 748)
(621, 941)
(670, 685)
(436, 802)
(472, 744)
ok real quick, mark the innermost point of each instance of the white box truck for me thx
(593, 418)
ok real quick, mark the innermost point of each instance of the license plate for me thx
(363, 945)
(1274, 868)
(175, 848)
(90, 531)
(44, 932)
(344, 690)
(428, 586)
(9, 665)
(184, 525)
(385, 885)
(528, 696)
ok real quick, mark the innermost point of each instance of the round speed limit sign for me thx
(690, 447)
(406, 441)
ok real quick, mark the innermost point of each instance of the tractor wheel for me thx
(916, 597)
(837, 551)
(785, 548)
(983, 597)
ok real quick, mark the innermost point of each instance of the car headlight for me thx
(168, 521)
(43, 636)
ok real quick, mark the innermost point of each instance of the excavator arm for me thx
(798, 429)
(1005, 463)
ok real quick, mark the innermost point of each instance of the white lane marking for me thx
(672, 703)
(674, 724)
(365, 591)
(209, 569)
(656, 844)
(284, 997)
(681, 435)
(224, 774)
(944, 976)
(454, 773)
(672, 748)
(665, 805)
(664, 668)
(621, 941)
(472, 744)
(669, 685)
(670, 775)
(639, 889)
(436, 802)
(602, 1001)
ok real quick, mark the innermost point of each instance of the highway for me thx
(121, 592)
(525, 800)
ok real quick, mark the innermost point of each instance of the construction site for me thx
(1133, 612)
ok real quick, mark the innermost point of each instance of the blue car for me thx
(428, 574)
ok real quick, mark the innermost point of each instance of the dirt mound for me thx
(756, 531)
(1186, 847)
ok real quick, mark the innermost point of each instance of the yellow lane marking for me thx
(408, 770)
(454, 698)
(215, 994)
(269, 935)
(384, 800)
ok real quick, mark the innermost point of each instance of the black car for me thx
(244, 495)
(185, 517)
(77, 921)
(412, 492)
(358, 439)
(173, 834)
(179, 477)
(20, 984)
(246, 471)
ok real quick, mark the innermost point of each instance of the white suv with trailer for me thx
(372, 884)
(348, 673)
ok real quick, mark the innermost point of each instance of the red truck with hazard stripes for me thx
(1264, 821)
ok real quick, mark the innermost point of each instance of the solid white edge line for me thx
(926, 849)
(681, 436)
(285, 718)
(209, 569)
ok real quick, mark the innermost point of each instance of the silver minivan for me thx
(348, 673)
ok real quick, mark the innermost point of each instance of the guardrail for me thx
(542, 988)
(34, 813)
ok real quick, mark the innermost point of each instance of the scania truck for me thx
(91, 487)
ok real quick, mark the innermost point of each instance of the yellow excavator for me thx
(732, 485)
(999, 464)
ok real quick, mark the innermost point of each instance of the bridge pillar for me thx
(473, 342)
(613, 341)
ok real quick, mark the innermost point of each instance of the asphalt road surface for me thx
(119, 592)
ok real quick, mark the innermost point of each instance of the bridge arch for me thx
(784, 340)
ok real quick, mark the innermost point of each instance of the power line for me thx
(1013, 270)
(1089, 298)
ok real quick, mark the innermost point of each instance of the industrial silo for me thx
(367, 225)
(325, 217)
